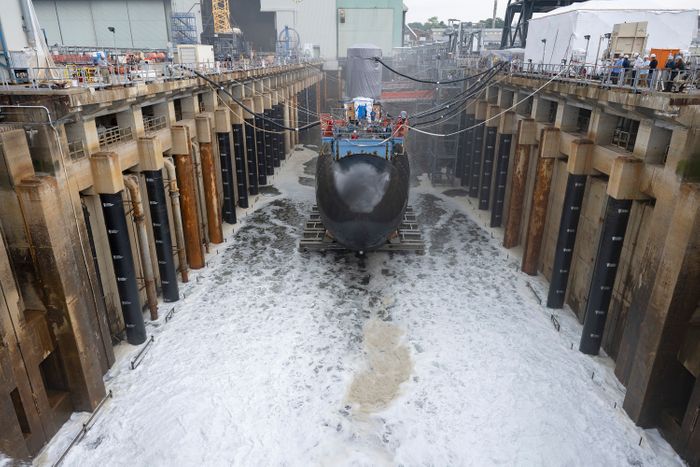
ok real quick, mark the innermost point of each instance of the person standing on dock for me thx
(670, 66)
(653, 65)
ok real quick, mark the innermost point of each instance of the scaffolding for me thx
(184, 28)
(444, 151)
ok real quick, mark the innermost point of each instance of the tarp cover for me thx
(564, 28)
(363, 77)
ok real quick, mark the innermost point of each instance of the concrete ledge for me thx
(222, 118)
(150, 153)
(203, 129)
(106, 173)
(625, 178)
(549, 143)
(581, 157)
(181, 139)
(528, 132)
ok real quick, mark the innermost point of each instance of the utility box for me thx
(198, 55)
(628, 38)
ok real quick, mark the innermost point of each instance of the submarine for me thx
(362, 173)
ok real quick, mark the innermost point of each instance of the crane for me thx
(222, 16)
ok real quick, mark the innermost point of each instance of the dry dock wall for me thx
(80, 250)
(640, 150)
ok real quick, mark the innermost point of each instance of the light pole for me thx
(597, 54)
(544, 49)
(113, 30)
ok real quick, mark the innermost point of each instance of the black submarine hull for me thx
(362, 198)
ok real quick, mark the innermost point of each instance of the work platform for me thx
(409, 238)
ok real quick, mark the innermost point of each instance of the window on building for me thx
(74, 134)
(52, 375)
(151, 120)
(20, 412)
(583, 120)
(625, 134)
(552, 111)
(113, 129)
(178, 109)
(200, 101)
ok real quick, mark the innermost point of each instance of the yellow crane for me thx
(222, 16)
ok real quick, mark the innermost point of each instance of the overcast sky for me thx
(466, 10)
(475, 10)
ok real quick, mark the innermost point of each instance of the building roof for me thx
(617, 5)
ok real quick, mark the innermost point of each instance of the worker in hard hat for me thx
(641, 66)
(653, 65)
(670, 66)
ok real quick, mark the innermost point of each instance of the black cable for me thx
(479, 84)
(457, 100)
(426, 81)
(243, 106)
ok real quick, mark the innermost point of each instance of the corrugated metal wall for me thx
(366, 26)
(314, 20)
(140, 24)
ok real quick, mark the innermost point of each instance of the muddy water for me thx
(388, 364)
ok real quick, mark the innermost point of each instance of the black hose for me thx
(426, 81)
(458, 100)
(244, 107)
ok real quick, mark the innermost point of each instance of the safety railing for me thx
(114, 135)
(610, 76)
(623, 139)
(100, 76)
(154, 123)
(76, 150)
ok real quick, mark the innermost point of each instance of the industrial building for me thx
(334, 26)
(552, 317)
(137, 24)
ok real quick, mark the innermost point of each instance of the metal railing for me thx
(641, 80)
(114, 135)
(154, 123)
(610, 76)
(99, 76)
(623, 140)
(76, 150)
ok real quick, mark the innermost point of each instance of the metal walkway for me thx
(409, 238)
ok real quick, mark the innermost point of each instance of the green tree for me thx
(417, 25)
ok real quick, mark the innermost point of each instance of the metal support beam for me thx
(124, 269)
(227, 182)
(478, 144)
(269, 151)
(252, 156)
(521, 163)
(239, 154)
(571, 211)
(211, 194)
(161, 234)
(188, 205)
(617, 213)
(260, 151)
(487, 168)
(501, 179)
(468, 150)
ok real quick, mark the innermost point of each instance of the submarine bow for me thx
(362, 197)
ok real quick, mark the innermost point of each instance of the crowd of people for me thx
(641, 72)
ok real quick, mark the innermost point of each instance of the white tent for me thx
(564, 28)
